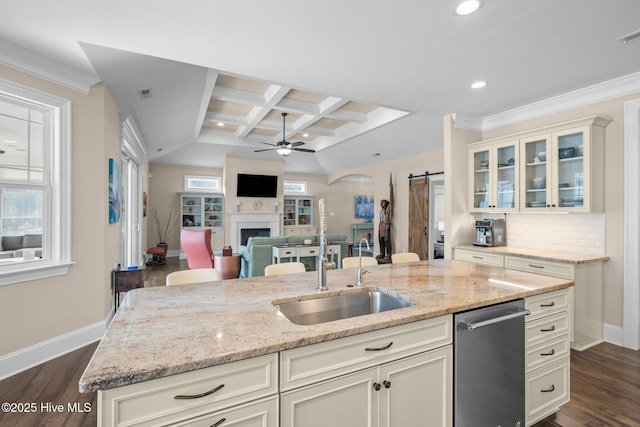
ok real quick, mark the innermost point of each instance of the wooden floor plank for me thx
(605, 385)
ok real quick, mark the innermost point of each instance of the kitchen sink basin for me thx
(326, 309)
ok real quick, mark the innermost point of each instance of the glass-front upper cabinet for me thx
(557, 171)
(494, 183)
(570, 194)
(536, 173)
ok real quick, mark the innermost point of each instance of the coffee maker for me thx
(491, 232)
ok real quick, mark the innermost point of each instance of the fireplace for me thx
(239, 221)
(245, 233)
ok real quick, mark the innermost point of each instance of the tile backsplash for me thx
(582, 233)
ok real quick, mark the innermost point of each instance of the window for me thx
(206, 184)
(34, 184)
(295, 187)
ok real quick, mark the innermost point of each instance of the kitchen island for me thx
(164, 331)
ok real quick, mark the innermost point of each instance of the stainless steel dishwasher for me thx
(489, 366)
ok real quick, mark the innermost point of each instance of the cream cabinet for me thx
(396, 376)
(558, 168)
(563, 171)
(208, 394)
(494, 182)
(547, 363)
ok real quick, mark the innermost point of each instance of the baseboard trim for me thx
(29, 357)
(613, 334)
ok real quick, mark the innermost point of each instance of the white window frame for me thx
(294, 187)
(216, 182)
(56, 237)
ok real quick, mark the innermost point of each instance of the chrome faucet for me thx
(360, 272)
(323, 263)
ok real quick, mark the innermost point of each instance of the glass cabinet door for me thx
(535, 175)
(506, 182)
(481, 179)
(570, 170)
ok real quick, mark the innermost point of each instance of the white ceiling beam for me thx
(225, 118)
(239, 96)
(272, 96)
(347, 115)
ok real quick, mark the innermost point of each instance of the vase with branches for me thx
(164, 229)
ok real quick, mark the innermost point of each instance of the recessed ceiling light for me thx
(220, 124)
(467, 7)
(478, 85)
(306, 135)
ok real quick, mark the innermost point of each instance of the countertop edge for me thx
(553, 256)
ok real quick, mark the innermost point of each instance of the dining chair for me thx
(352, 261)
(197, 275)
(404, 257)
(284, 268)
(196, 245)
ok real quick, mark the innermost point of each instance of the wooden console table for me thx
(124, 281)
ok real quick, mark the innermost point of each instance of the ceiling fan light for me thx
(468, 7)
(284, 152)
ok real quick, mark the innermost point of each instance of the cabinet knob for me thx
(376, 386)
(386, 383)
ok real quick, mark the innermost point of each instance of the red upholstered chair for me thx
(197, 248)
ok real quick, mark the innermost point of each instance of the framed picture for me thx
(114, 191)
(364, 207)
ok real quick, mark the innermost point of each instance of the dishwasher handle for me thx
(473, 326)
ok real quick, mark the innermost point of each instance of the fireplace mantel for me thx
(240, 220)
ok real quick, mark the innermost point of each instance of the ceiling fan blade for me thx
(296, 144)
(304, 150)
(268, 143)
(264, 149)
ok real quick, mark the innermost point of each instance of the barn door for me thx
(419, 216)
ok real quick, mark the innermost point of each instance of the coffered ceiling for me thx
(250, 112)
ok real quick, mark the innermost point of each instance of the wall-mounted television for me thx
(364, 207)
(257, 185)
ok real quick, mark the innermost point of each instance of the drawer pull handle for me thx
(379, 348)
(552, 328)
(551, 304)
(376, 386)
(198, 396)
(536, 266)
(219, 422)
(386, 383)
(549, 390)
(477, 257)
(550, 353)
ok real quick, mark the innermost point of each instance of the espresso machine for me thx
(491, 232)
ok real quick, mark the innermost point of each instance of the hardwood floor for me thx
(605, 385)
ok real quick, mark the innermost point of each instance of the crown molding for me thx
(32, 63)
(467, 122)
(600, 92)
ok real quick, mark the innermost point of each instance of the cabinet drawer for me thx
(308, 251)
(547, 268)
(153, 402)
(545, 328)
(546, 352)
(263, 413)
(494, 260)
(316, 362)
(546, 304)
(546, 390)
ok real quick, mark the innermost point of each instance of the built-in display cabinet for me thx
(298, 216)
(554, 169)
(199, 211)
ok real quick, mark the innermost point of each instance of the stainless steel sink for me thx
(336, 307)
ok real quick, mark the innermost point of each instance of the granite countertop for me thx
(162, 331)
(541, 254)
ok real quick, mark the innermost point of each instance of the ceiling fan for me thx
(284, 147)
